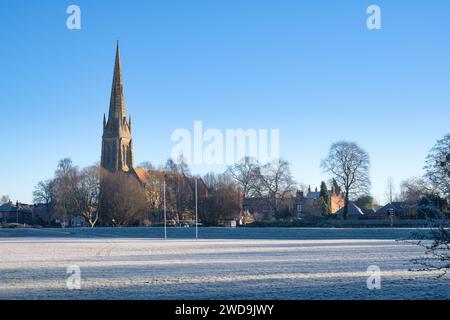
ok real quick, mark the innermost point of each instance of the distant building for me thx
(117, 155)
(300, 205)
(117, 142)
(398, 210)
(354, 212)
(260, 209)
(230, 223)
(77, 221)
(18, 213)
(307, 204)
(368, 212)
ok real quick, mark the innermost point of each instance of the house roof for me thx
(369, 211)
(353, 210)
(316, 194)
(396, 206)
(7, 207)
(313, 195)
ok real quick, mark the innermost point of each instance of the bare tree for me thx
(222, 201)
(5, 199)
(180, 188)
(349, 165)
(245, 173)
(390, 190)
(413, 189)
(123, 201)
(146, 165)
(436, 188)
(87, 193)
(153, 183)
(437, 166)
(66, 180)
(275, 181)
(44, 192)
(436, 244)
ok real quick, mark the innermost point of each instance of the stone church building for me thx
(117, 156)
(117, 141)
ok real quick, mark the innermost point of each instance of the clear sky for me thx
(308, 68)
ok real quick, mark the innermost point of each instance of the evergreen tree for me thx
(365, 202)
(325, 199)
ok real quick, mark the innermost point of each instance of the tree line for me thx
(102, 197)
(120, 199)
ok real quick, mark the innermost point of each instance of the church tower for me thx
(117, 142)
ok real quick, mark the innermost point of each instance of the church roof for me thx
(142, 174)
(146, 175)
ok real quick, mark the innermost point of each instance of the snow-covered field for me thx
(131, 268)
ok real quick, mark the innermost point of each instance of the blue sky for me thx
(309, 68)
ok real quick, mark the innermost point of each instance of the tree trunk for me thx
(93, 222)
(346, 206)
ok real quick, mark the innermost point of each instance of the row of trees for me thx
(121, 199)
(272, 181)
(431, 189)
(436, 184)
(348, 164)
(73, 191)
(114, 199)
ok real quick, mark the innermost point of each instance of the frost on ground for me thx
(35, 268)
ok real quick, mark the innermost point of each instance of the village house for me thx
(308, 204)
(354, 212)
(18, 213)
(301, 205)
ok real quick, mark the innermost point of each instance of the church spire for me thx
(117, 110)
(117, 142)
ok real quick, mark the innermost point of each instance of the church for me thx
(117, 158)
(117, 141)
